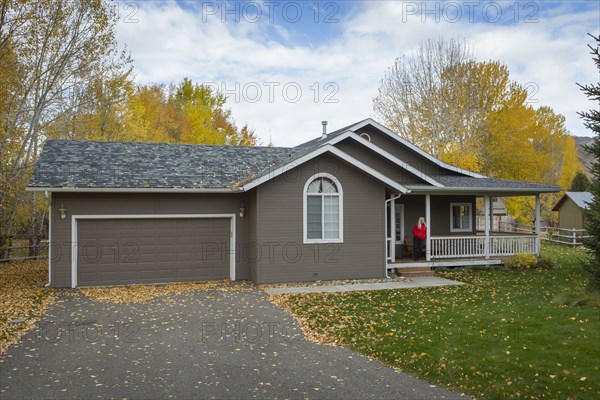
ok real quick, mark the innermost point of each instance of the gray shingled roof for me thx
(314, 143)
(492, 183)
(93, 164)
(90, 164)
(582, 199)
(481, 186)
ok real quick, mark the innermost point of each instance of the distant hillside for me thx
(585, 158)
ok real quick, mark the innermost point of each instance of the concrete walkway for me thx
(416, 282)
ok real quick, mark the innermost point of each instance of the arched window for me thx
(323, 209)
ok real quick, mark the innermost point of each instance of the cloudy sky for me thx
(287, 65)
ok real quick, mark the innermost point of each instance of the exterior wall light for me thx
(63, 212)
(242, 211)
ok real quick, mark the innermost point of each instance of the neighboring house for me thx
(336, 207)
(499, 214)
(571, 207)
(499, 207)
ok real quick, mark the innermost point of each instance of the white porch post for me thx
(392, 233)
(385, 233)
(491, 215)
(389, 236)
(486, 241)
(538, 225)
(428, 219)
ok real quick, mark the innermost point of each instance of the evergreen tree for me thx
(580, 183)
(592, 122)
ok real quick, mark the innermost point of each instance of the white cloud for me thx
(170, 43)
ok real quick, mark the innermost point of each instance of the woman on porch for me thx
(420, 234)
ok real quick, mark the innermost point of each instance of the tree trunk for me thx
(5, 246)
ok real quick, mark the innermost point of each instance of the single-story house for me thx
(336, 207)
(571, 207)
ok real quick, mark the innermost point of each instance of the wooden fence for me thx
(24, 247)
(571, 237)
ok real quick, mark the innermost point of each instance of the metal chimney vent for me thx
(324, 135)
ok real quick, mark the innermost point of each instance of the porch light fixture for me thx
(63, 212)
(242, 211)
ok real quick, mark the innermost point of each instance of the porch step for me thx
(414, 271)
(408, 274)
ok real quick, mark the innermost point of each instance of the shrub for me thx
(545, 262)
(578, 299)
(592, 267)
(521, 261)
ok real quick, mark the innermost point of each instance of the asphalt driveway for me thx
(190, 345)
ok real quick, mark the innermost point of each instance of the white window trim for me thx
(341, 210)
(365, 136)
(75, 218)
(470, 205)
(401, 206)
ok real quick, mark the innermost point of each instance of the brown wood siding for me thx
(116, 203)
(414, 207)
(250, 251)
(284, 256)
(404, 153)
(570, 215)
(379, 163)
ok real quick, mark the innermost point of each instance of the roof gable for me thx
(443, 178)
(350, 135)
(581, 200)
(328, 148)
(331, 137)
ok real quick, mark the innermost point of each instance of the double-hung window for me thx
(323, 210)
(460, 217)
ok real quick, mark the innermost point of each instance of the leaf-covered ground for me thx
(22, 296)
(145, 293)
(498, 336)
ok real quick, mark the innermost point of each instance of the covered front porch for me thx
(459, 245)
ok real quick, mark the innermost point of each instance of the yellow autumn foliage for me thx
(472, 115)
(530, 145)
(462, 159)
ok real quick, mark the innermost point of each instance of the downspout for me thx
(49, 239)
(385, 204)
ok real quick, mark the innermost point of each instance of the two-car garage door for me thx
(152, 250)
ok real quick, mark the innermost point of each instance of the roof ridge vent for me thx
(324, 135)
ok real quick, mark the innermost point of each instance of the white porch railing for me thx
(511, 245)
(457, 247)
(479, 246)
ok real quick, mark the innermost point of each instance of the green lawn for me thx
(498, 336)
